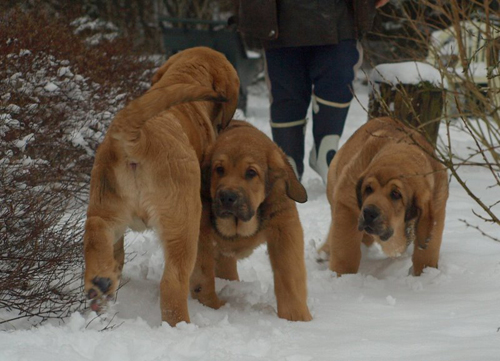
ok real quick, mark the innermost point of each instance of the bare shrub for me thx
(58, 95)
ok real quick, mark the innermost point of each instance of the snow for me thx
(474, 36)
(85, 23)
(381, 313)
(50, 87)
(22, 143)
(64, 71)
(409, 72)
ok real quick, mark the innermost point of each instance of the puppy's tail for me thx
(129, 121)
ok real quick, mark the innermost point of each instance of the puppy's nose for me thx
(227, 198)
(370, 214)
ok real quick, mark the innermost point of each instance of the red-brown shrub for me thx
(58, 95)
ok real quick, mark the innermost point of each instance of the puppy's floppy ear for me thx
(421, 208)
(359, 194)
(280, 168)
(206, 172)
(412, 211)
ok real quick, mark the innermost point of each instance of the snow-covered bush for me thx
(58, 95)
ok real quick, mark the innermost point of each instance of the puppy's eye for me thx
(395, 195)
(368, 190)
(250, 173)
(219, 170)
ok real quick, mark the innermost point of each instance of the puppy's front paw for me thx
(322, 257)
(297, 314)
(209, 299)
(215, 303)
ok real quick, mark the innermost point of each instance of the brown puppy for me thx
(249, 198)
(147, 174)
(385, 185)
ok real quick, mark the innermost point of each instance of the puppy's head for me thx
(242, 172)
(386, 200)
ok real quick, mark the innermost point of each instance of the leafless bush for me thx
(197, 9)
(135, 19)
(58, 95)
(461, 40)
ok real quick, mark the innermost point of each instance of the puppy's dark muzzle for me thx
(371, 221)
(371, 216)
(231, 203)
(228, 202)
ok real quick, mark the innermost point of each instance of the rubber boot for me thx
(290, 138)
(320, 159)
(328, 125)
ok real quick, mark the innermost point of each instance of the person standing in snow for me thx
(311, 51)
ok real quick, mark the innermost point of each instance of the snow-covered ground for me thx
(380, 313)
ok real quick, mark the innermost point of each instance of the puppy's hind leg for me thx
(179, 233)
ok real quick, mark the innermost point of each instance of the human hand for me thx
(381, 3)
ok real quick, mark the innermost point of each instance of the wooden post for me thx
(419, 104)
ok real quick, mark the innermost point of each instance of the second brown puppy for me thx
(385, 185)
(249, 194)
